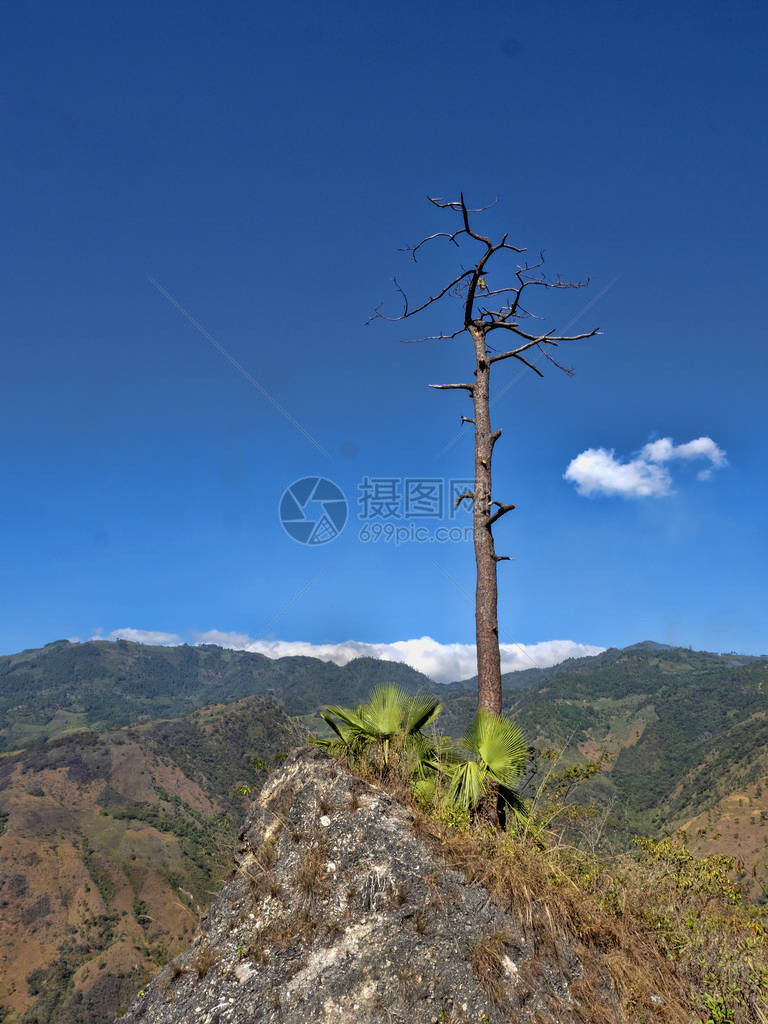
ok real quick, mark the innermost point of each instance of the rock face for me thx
(340, 913)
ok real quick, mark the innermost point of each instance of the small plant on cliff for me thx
(392, 721)
(386, 733)
(670, 930)
(498, 758)
(204, 961)
(717, 1011)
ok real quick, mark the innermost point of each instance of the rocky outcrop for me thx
(340, 912)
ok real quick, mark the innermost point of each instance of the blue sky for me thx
(263, 163)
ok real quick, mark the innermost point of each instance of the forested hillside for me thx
(105, 685)
(119, 783)
(681, 730)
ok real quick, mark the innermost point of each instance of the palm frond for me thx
(334, 746)
(516, 806)
(424, 747)
(342, 734)
(423, 708)
(500, 746)
(350, 737)
(468, 784)
(349, 716)
(385, 713)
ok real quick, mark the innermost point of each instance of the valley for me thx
(125, 772)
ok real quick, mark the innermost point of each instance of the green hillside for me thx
(119, 801)
(681, 728)
(106, 685)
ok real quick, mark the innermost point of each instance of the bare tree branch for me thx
(474, 275)
(450, 387)
(432, 337)
(461, 497)
(530, 365)
(542, 339)
(413, 249)
(458, 204)
(567, 370)
(407, 311)
(501, 511)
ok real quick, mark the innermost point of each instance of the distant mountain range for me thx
(683, 729)
(106, 685)
(120, 765)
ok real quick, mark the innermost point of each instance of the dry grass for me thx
(204, 961)
(622, 965)
(266, 855)
(261, 883)
(658, 934)
(311, 876)
(486, 956)
(278, 934)
(353, 802)
(260, 876)
(405, 981)
(421, 921)
(399, 896)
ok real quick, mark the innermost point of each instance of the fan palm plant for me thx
(498, 756)
(390, 717)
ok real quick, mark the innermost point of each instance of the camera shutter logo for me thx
(313, 510)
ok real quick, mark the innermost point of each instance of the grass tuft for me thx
(204, 961)
(486, 956)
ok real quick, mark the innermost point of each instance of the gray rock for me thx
(338, 912)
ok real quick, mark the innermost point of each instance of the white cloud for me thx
(665, 449)
(143, 636)
(442, 662)
(235, 641)
(597, 470)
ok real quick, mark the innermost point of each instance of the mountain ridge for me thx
(685, 734)
(108, 684)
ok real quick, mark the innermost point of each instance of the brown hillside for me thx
(112, 846)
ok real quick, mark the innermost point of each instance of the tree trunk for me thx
(486, 594)
(471, 284)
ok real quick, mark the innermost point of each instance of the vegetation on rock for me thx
(388, 730)
(676, 934)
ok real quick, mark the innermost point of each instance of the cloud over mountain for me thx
(143, 636)
(441, 662)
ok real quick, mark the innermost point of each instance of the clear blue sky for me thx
(263, 163)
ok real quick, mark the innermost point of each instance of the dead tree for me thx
(488, 312)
